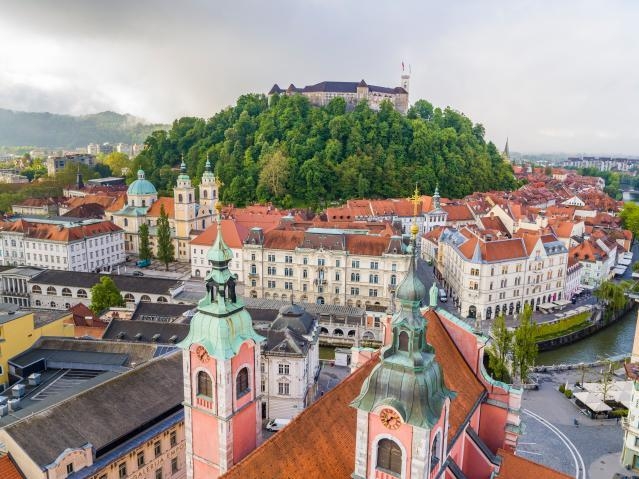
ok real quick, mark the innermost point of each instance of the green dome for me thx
(411, 289)
(141, 186)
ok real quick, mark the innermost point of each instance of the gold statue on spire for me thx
(416, 200)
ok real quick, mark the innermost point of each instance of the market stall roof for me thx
(562, 302)
(593, 401)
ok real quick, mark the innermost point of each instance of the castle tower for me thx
(208, 188)
(221, 356)
(402, 409)
(436, 198)
(185, 211)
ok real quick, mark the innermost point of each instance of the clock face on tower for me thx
(390, 419)
(202, 354)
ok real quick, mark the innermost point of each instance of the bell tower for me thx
(184, 201)
(402, 409)
(221, 367)
(208, 188)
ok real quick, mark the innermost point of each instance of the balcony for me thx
(253, 275)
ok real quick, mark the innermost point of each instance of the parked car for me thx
(138, 273)
(277, 424)
(143, 263)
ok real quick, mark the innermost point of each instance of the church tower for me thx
(402, 409)
(221, 367)
(185, 212)
(208, 188)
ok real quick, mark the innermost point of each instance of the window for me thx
(70, 468)
(304, 273)
(393, 280)
(373, 278)
(288, 259)
(355, 277)
(283, 389)
(389, 456)
(252, 256)
(51, 291)
(283, 368)
(394, 268)
(355, 263)
(174, 465)
(157, 448)
(158, 472)
(288, 285)
(126, 223)
(372, 293)
(242, 383)
(504, 270)
(288, 271)
(338, 263)
(305, 260)
(321, 262)
(271, 270)
(337, 276)
(36, 289)
(204, 384)
(173, 439)
(122, 470)
(270, 284)
(66, 292)
(253, 269)
(354, 291)
(140, 459)
(271, 258)
(374, 265)
(474, 271)
(403, 341)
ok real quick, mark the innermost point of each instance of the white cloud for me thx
(552, 76)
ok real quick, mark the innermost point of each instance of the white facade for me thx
(200, 266)
(483, 287)
(50, 247)
(574, 274)
(323, 276)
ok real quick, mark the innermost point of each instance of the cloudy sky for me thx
(553, 76)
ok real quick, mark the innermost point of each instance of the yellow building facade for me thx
(21, 329)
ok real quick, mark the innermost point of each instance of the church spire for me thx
(436, 197)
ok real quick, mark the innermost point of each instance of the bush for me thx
(568, 393)
(618, 413)
(562, 388)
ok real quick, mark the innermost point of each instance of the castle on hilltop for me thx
(322, 93)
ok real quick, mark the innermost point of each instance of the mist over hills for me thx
(20, 128)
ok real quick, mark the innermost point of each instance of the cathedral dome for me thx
(141, 186)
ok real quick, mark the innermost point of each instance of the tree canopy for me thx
(292, 153)
(105, 294)
(166, 250)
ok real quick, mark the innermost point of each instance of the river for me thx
(611, 341)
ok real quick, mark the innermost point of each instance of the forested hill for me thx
(294, 154)
(20, 128)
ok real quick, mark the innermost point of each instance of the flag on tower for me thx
(402, 66)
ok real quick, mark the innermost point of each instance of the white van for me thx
(442, 296)
(277, 424)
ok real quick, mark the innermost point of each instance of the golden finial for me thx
(416, 200)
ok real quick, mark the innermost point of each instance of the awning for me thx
(561, 302)
(593, 401)
(625, 262)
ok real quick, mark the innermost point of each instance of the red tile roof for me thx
(458, 212)
(169, 207)
(233, 233)
(516, 467)
(8, 469)
(59, 233)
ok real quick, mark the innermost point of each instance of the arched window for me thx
(162, 299)
(190, 198)
(129, 298)
(145, 299)
(126, 222)
(36, 289)
(338, 332)
(434, 452)
(389, 456)
(52, 304)
(38, 302)
(403, 341)
(197, 273)
(204, 384)
(51, 291)
(180, 198)
(242, 383)
(393, 280)
(82, 293)
(204, 193)
(66, 292)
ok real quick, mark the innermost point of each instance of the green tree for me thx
(274, 175)
(166, 250)
(525, 344)
(145, 249)
(105, 294)
(500, 348)
(630, 216)
(613, 295)
(117, 162)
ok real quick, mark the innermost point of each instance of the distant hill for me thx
(19, 128)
